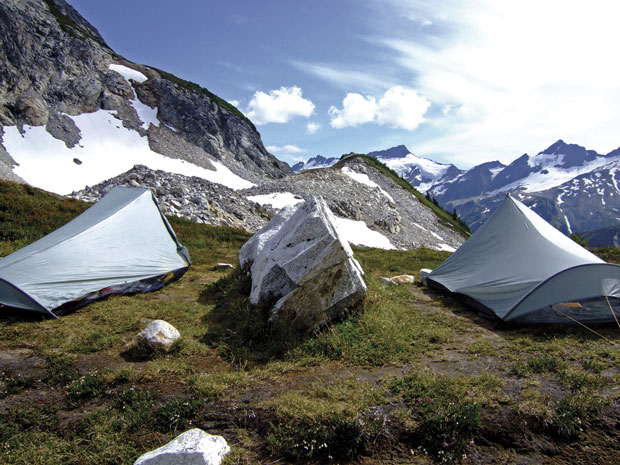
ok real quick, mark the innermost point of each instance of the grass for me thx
(73, 392)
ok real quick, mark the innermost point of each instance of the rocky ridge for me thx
(401, 217)
(398, 215)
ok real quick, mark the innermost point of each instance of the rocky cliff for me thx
(55, 65)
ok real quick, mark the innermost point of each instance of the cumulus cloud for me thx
(288, 149)
(399, 107)
(312, 127)
(278, 106)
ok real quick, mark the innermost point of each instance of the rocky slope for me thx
(354, 190)
(56, 66)
(371, 209)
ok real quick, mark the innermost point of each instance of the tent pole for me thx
(581, 324)
(612, 311)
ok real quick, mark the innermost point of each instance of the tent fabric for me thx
(122, 244)
(520, 269)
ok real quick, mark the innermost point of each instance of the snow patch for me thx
(277, 200)
(128, 73)
(146, 114)
(358, 233)
(106, 149)
(364, 179)
(444, 247)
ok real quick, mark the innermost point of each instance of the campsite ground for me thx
(410, 376)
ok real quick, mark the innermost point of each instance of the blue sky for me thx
(460, 82)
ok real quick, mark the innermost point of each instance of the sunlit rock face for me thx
(301, 268)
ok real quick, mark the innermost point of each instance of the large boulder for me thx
(194, 447)
(301, 268)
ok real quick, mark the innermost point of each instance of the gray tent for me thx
(520, 269)
(122, 244)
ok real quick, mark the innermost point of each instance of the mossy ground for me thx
(409, 376)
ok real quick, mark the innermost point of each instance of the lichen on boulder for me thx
(301, 268)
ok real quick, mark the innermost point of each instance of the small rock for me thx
(385, 280)
(404, 279)
(159, 334)
(424, 272)
(194, 447)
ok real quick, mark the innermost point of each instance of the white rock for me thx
(424, 272)
(403, 279)
(255, 244)
(159, 333)
(194, 447)
(385, 280)
(301, 266)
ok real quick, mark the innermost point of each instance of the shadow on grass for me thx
(241, 331)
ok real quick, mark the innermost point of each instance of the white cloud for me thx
(344, 77)
(278, 106)
(399, 107)
(356, 109)
(513, 77)
(234, 102)
(312, 127)
(288, 149)
(402, 108)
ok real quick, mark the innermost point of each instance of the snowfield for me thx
(357, 233)
(364, 179)
(277, 200)
(106, 149)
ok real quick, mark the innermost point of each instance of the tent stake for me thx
(581, 324)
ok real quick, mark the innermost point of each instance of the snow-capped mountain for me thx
(573, 188)
(421, 173)
(315, 162)
(74, 113)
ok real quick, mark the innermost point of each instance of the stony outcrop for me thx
(194, 447)
(54, 62)
(301, 269)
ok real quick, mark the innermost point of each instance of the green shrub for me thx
(176, 414)
(536, 363)
(60, 370)
(135, 408)
(335, 438)
(573, 412)
(446, 416)
(12, 384)
(85, 387)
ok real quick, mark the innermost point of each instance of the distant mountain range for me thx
(575, 189)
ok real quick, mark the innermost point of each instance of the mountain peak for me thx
(395, 152)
